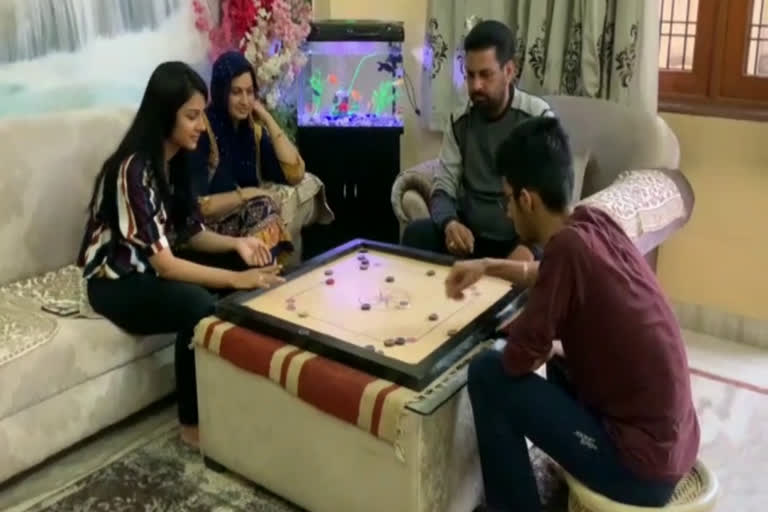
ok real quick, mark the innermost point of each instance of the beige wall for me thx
(720, 259)
(418, 144)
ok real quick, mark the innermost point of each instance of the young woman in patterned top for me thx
(144, 231)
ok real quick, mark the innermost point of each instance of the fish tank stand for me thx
(350, 125)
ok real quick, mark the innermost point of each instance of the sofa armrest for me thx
(411, 191)
(650, 204)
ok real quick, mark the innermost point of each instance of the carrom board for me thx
(376, 307)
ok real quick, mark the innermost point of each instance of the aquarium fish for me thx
(391, 65)
(355, 95)
(332, 79)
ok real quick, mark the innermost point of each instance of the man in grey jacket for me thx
(466, 204)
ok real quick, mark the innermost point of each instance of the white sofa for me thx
(63, 379)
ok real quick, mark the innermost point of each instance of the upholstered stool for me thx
(696, 492)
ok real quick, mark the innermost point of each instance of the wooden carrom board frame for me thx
(414, 376)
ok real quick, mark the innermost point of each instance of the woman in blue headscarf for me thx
(243, 148)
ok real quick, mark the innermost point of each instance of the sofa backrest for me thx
(617, 137)
(47, 170)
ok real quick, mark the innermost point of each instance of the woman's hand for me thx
(258, 278)
(261, 113)
(253, 251)
(249, 193)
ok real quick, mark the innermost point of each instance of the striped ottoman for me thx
(330, 438)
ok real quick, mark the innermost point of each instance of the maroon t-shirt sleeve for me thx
(557, 287)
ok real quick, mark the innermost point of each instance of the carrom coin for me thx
(303, 314)
(390, 279)
(410, 340)
(365, 306)
(433, 317)
(389, 342)
(430, 273)
(370, 347)
(329, 272)
(400, 341)
(453, 332)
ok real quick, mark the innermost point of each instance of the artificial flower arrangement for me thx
(270, 34)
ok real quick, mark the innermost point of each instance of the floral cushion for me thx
(23, 323)
(641, 201)
(23, 327)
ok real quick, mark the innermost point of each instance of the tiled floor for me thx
(730, 386)
(739, 362)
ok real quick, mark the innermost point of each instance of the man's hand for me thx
(258, 278)
(521, 253)
(253, 251)
(463, 275)
(459, 239)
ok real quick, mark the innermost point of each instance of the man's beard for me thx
(486, 104)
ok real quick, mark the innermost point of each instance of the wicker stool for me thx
(696, 492)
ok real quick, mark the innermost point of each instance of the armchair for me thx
(632, 171)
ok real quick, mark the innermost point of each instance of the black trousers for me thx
(144, 304)
(424, 234)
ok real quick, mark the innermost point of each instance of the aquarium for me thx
(353, 76)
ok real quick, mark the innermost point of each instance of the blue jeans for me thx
(509, 409)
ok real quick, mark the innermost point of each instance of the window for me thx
(713, 57)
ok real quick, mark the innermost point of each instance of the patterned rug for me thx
(165, 475)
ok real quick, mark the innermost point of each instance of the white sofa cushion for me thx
(81, 349)
(33, 434)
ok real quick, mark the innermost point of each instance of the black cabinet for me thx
(358, 167)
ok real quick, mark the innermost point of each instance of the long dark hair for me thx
(171, 85)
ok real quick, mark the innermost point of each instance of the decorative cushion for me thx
(641, 201)
(23, 327)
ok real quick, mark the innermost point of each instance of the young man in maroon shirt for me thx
(616, 409)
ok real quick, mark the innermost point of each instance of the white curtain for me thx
(597, 48)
